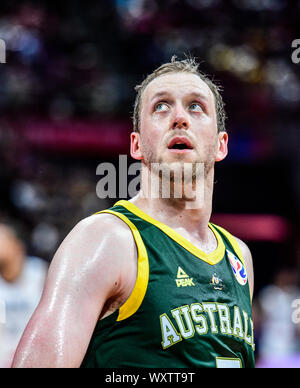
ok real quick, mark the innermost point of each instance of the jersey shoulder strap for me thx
(232, 241)
(134, 301)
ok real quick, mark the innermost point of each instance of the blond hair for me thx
(188, 65)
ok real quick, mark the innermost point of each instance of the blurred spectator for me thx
(21, 284)
(278, 337)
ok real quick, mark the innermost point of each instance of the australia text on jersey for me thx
(203, 317)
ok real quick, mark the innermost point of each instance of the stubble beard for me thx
(184, 177)
(152, 161)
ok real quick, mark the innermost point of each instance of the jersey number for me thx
(229, 363)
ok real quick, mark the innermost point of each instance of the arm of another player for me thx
(248, 263)
(95, 263)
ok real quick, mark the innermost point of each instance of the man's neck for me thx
(181, 213)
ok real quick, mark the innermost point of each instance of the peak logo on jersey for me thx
(183, 280)
(237, 268)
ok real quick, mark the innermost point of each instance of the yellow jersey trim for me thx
(235, 245)
(210, 258)
(137, 296)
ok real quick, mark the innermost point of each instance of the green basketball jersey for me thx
(188, 308)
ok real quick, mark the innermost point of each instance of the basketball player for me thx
(22, 279)
(151, 282)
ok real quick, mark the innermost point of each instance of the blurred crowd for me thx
(71, 67)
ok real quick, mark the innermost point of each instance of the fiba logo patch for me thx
(237, 268)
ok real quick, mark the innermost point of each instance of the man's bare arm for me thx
(95, 263)
(248, 262)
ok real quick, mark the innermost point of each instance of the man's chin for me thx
(177, 163)
(181, 158)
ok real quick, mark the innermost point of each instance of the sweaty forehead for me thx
(178, 84)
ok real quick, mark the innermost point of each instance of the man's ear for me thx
(135, 146)
(222, 146)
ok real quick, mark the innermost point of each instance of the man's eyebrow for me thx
(159, 95)
(165, 93)
(199, 95)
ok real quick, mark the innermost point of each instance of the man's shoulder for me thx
(101, 236)
(102, 225)
(247, 256)
(242, 250)
(236, 242)
(102, 244)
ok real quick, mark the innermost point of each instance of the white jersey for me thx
(279, 335)
(18, 301)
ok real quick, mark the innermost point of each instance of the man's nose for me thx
(180, 119)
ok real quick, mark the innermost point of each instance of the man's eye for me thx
(196, 107)
(161, 107)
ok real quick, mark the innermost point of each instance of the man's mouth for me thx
(180, 144)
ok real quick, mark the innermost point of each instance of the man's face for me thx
(178, 122)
